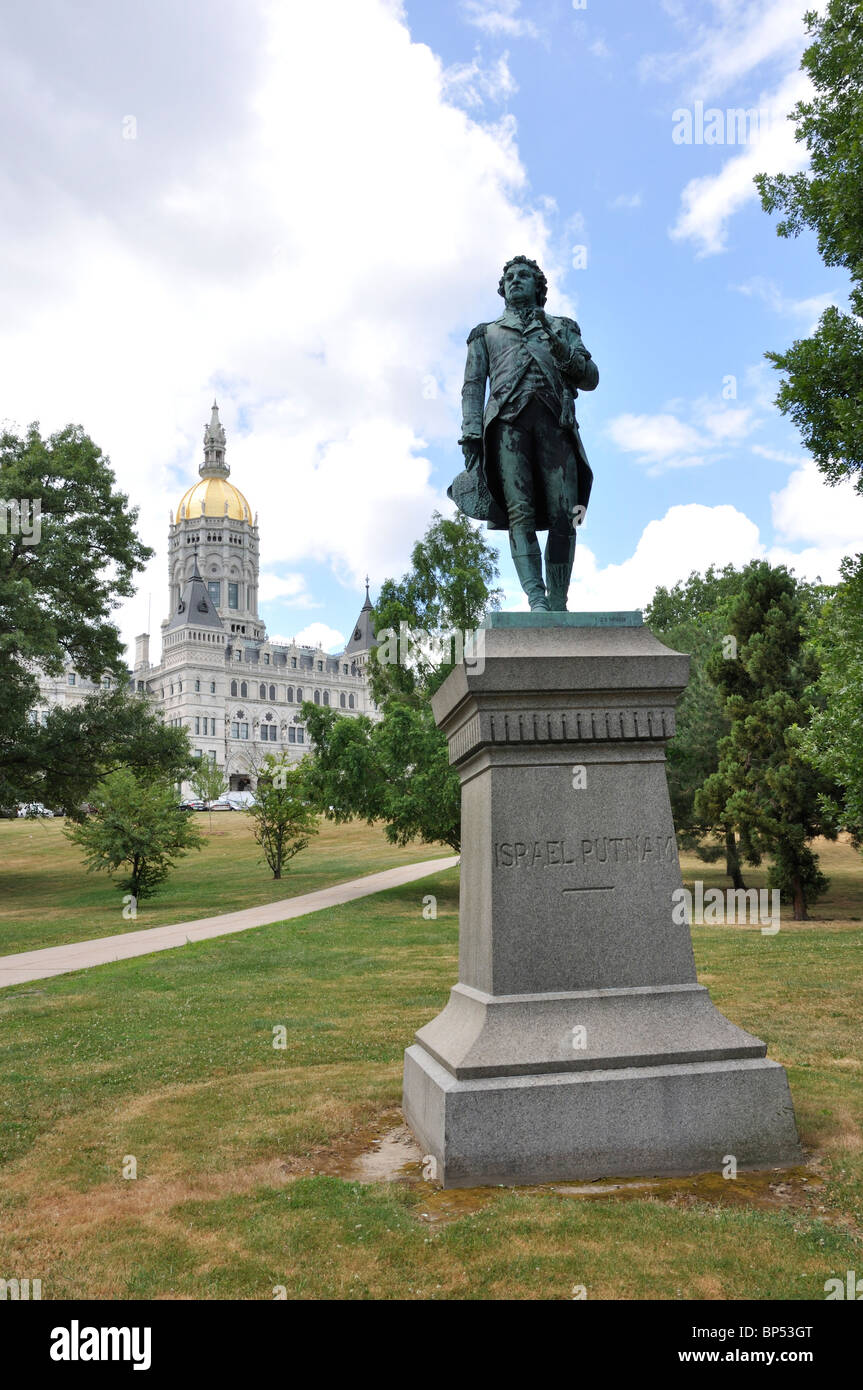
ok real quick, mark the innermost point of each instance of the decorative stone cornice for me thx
(609, 724)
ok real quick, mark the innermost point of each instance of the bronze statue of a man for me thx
(526, 469)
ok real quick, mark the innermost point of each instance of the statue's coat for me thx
(496, 354)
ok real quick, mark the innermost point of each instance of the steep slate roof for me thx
(362, 638)
(195, 608)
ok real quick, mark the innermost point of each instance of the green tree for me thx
(208, 783)
(56, 594)
(344, 773)
(834, 738)
(688, 618)
(283, 819)
(823, 390)
(397, 769)
(136, 826)
(764, 786)
(444, 596)
(60, 760)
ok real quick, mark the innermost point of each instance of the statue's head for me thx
(523, 282)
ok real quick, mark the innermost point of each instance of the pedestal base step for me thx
(668, 1120)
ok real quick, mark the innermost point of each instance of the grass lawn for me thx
(48, 899)
(170, 1059)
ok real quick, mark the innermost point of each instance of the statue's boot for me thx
(527, 558)
(559, 557)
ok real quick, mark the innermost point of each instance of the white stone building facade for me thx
(237, 693)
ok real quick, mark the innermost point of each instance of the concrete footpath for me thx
(59, 960)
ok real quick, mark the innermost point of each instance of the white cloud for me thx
(779, 455)
(472, 85)
(809, 309)
(689, 537)
(721, 56)
(626, 200)
(499, 17)
(654, 438)
(693, 537)
(317, 635)
(729, 425)
(808, 509)
(289, 588)
(742, 37)
(295, 226)
(664, 441)
(709, 202)
(762, 383)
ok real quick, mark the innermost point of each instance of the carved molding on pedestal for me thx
(618, 724)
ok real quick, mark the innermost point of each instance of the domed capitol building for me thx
(237, 693)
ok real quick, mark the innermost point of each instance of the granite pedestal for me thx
(578, 1043)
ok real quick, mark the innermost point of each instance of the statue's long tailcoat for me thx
(499, 353)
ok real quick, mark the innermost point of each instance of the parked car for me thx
(193, 805)
(220, 806)
(34, 808)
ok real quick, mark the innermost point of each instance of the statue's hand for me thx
(559, 349)
(471, 448)
(578, 364)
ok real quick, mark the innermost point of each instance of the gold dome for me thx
(207, 498)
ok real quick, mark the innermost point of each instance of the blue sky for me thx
(592, 92)
(304, 209)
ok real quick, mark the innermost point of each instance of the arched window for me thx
(244, 690)
(350, 701)
(272, 692)
(290, 695)
(299, 694)
(326, 697)
(317, 697)
(233, 687)
(262, 691)
(342, 700)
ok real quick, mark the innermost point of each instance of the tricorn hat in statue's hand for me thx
(470, 492)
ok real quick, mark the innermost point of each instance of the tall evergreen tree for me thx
(764, 785)
(834, 738)
(688, 618)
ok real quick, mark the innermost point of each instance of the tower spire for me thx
(214, 465)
